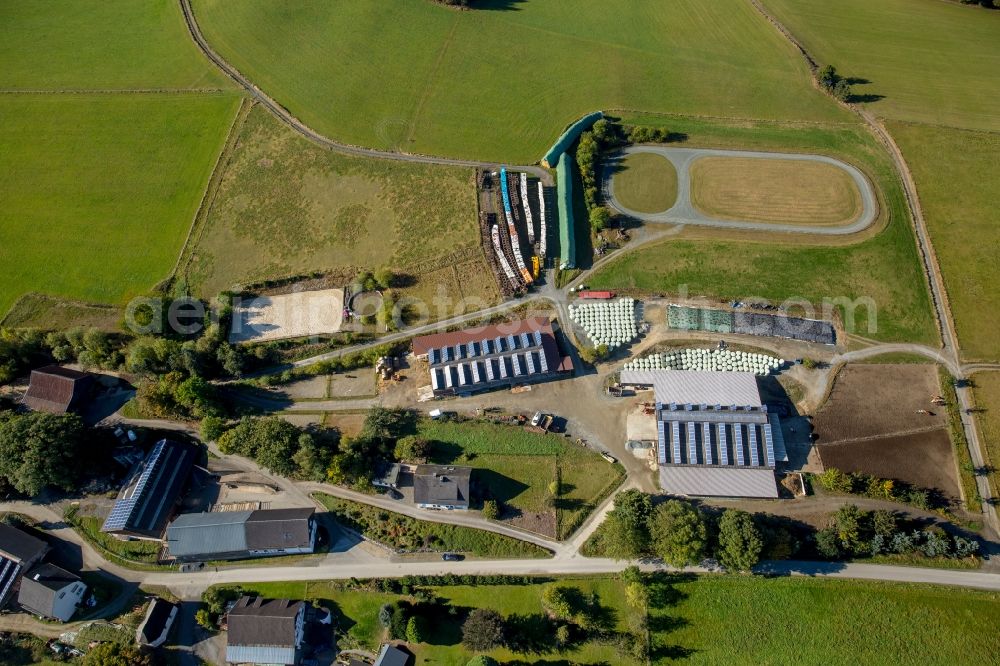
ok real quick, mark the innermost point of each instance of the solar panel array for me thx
(743, 438)
(473, 366)
(119, 517)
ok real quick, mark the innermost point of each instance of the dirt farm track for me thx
(879, 420)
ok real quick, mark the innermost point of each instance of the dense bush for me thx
(874, 487)
(278, 446)
(40, 450)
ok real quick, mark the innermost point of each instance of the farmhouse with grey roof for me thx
(51, 592)
(265, 631)
(227, 535)
(441, 487)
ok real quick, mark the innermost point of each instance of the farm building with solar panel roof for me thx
(492, 357)
(715, 438)
(148, 498)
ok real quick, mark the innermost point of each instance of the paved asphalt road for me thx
(684, 212)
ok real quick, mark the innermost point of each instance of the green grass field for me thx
(884, 266)
(957, 174)
(934, 62)
(359, 611)
(403, 533)
(285, 207)
(517, 466)
(101, 45)
(99, 190)
(737, 620)
(647, 183)
(987, 394)
(501, 82)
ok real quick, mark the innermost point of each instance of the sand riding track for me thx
(684, 212)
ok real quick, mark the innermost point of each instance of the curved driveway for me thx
(684, 212)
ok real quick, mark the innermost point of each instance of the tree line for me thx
(683, 534)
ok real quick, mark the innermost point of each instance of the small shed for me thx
(58, 390)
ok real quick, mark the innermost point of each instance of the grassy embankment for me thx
(405, 534)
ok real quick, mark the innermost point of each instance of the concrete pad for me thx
(294, 315)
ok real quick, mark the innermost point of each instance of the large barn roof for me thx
(690, 387)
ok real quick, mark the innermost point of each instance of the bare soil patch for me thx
(777, 191)
(924, 459)
(288, 316)
(872, 424)
(871, 400)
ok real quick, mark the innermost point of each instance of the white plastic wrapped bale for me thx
(716, 360)
(611, 323)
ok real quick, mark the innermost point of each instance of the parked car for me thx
(536, 419)
(452, 557)
(610, 458)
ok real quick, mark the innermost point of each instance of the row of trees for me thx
(875, 487)
(682, 534)
(854, 533)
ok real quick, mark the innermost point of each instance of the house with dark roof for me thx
(232, 535)
(387, 475)
(441, 487)
(19, 552)
(265, 631)
(390, 655)
(154, 486)
(51, 592)
(58, 390)
(156, 624)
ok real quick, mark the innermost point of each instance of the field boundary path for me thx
(684, 212)
(939, 295)
(285, 116)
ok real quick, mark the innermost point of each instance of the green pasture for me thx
(884, 267)
(518, 466)
(743, 620)
(931, 61)
(500, 82)
(99, 191)
(358, 610)
(646, 183)
(286, 207)
(987, 393)
(958, 175)
(100, 44)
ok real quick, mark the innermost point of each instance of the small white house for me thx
(51, 592)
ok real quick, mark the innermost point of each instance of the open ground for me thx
(471, 84)
(910, 65)
(293, 315)
(879, 419)
(645, 182)
(74, 226)
(286, 208)
(93, 95)
(763, 191)
(737, 620)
